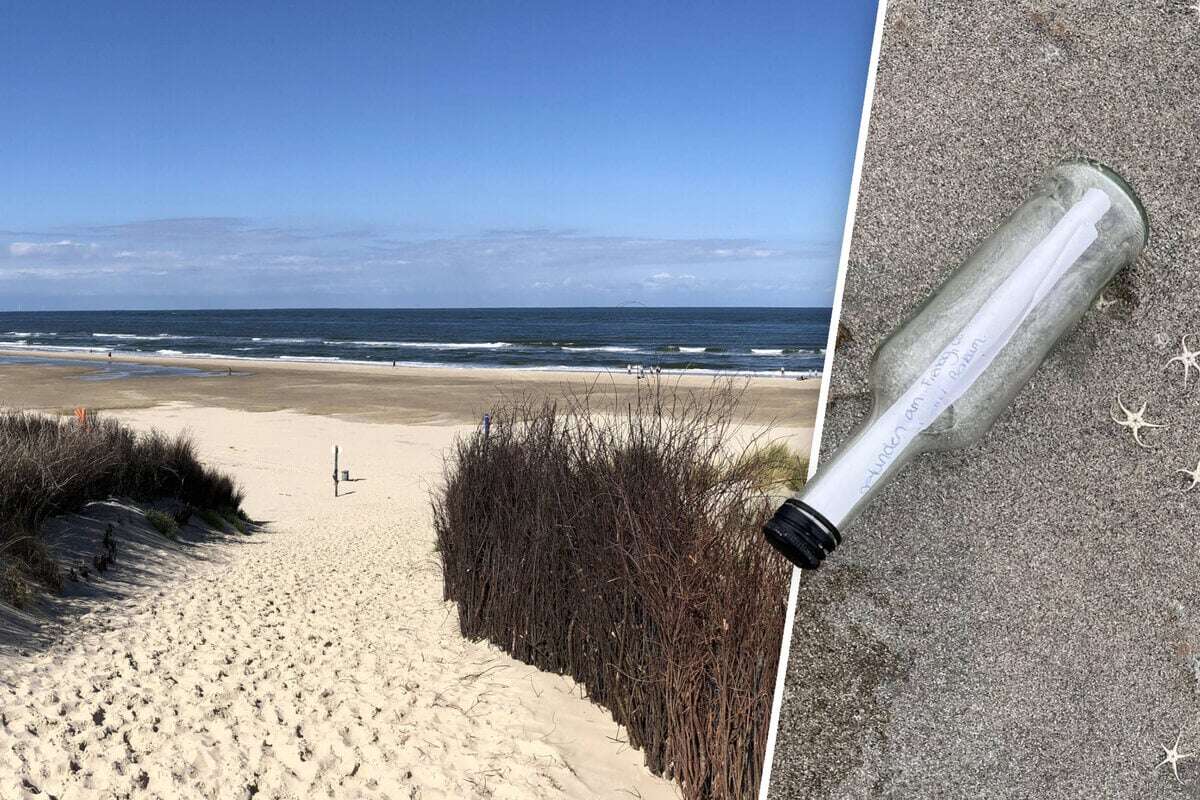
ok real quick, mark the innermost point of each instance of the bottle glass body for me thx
(944, 376)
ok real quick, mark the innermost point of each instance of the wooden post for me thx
(335, 470)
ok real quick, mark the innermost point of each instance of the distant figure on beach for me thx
(781, 373)
(393, 362)
(231, 372)
(487, 424)
(110, 353)
(629, 369)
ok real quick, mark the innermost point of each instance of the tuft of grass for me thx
(775, 466)
(55, 465)
(14, 586)
(163, 523)
(236, 518)
(622, 545)
(212, 519)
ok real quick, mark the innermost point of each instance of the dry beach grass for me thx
(51, 465)
(619, 544)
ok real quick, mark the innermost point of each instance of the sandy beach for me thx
(316, 657)
(1019, 619)
(374, 393)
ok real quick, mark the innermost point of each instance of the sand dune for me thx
(313, 659)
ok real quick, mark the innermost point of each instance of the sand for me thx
(1016, 620)
(364, 392)
(314, 659)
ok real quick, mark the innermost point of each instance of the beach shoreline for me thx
(429, 395)
(689, 341)
(195, 360)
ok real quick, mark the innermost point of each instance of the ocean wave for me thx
(345, 361)
(767, 351)
(603, 349)
(218, 355)
(24, 345)
(141, 337)
(282, 340)
(675, 369)
(421, 345)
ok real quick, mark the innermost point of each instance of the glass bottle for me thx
(943, 377)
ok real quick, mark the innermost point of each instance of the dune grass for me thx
(213, 519)
(163, 523)
(776, 467)
(622, 546)
(53, 465)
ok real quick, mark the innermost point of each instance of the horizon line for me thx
(410, 308)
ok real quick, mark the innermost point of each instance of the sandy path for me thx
(316, 661)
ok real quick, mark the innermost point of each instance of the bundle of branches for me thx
(51, 465)
(622, 547)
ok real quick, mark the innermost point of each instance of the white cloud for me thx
(149, 255)
(224, 256)
(667, 280)
(20, 249)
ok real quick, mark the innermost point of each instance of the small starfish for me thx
(1194, 474)
(1188, 359)
(1135, 421)
(1174, 757)
(1103, 303)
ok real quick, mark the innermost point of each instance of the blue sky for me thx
(159, 155)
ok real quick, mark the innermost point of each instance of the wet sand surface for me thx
(371, 393)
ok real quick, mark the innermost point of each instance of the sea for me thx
(765, 341)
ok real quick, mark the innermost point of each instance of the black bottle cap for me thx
(802, 534)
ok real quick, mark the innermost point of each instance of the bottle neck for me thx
(880, 449)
